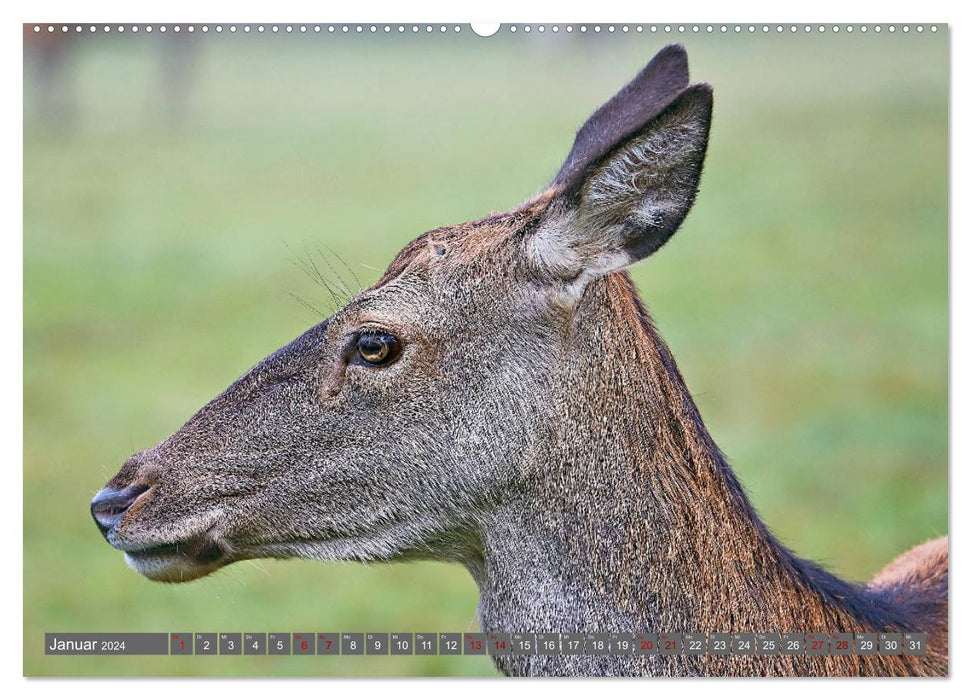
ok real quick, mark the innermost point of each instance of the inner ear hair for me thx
(638, 194)
(630, 178)
(624, 115)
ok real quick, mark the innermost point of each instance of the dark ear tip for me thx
(671, 60)
(699, 94)
(673, 50)
(700, 89)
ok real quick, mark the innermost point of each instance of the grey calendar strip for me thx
(472, 643)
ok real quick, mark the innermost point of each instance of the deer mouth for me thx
(178, 561)
(171, 561)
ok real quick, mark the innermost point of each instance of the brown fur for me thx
(700, 539)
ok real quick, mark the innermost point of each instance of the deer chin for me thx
(178, 562)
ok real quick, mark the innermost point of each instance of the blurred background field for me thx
(171, 184)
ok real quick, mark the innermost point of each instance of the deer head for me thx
(394, 427)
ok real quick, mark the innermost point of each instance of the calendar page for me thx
(526, 349)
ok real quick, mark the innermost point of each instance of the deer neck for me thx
(630, 519)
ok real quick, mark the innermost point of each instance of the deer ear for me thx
(632, 175)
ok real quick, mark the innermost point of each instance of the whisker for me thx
(314, 273)
(256, 565)
(320, 276)
(357, 281)
(347, 289)
(307, 305)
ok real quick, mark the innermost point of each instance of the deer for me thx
(501, 399)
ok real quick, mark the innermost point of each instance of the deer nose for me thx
(110, 505)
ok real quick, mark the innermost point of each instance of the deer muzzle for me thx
(110, 505)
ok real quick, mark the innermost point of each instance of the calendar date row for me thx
(473, 643)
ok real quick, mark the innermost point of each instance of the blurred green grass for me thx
(805, 298)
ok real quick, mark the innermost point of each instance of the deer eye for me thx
(377, 348)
